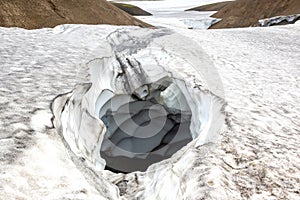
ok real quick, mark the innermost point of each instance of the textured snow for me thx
(260, 72)
(36, 66)
(256, 158)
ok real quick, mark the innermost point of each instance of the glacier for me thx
(254, 70)
(174, 16)
(289, 19)
(255, 155)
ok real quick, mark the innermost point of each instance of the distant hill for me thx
(33, 14)
(210, 7)
(245, 13)
(131, 9)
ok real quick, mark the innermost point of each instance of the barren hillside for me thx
(210, 7)
(33, 14)
(245, 13)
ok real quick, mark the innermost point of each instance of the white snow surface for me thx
(257, 157)
(171, 14)
(168, 6)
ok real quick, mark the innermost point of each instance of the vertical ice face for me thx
(279, 20)
(145, 101)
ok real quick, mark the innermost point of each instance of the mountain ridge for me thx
(34, 14)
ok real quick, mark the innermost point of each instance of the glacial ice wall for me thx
(150, 94)
(279, 20)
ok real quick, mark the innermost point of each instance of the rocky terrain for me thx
(245, 13)
(34, 14)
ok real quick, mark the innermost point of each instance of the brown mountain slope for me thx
(32, 14)
(245, 13)
(132, 9)
(210, 7)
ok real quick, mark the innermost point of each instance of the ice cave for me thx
(141, 105)
(145, 127)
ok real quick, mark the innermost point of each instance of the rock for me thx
(245, 13)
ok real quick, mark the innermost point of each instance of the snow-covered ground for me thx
(171, 14)
(257, 158)
(36, 66)
(260, 70)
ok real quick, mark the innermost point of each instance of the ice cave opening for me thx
(142, 101)
(144, 127)
(128, 118)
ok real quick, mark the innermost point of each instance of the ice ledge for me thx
(279, 20)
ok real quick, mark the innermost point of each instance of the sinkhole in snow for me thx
(145, 127)
(146, 98)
